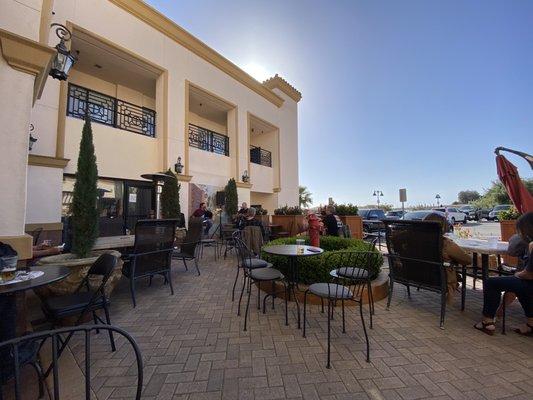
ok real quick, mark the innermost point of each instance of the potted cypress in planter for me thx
(291, 219)
(230, 193)
(84, 226)
(348, 215)
(507, 220)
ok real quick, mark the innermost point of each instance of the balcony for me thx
(204, 139)
(260, 156)
(110, 111)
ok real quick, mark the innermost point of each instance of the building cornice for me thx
(277, 82)
(46, 161)
(160, 22)
(184, 178)
(243, 185)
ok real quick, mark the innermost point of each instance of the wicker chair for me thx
(415, 259)
(152, 251)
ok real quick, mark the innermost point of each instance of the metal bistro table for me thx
(8, 303)
(291, 251)
(483, 247)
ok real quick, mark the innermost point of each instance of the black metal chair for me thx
(152, 252)
(256, 271)
(415, 259)
(357, 265)
(15, 355)
(190, 247)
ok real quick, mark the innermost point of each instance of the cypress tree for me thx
(85, 196)
(231, 198)
(170, 197)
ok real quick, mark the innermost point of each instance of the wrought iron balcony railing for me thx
(207, 140)
(110, 111)
(260, 156)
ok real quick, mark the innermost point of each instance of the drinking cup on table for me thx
(300, 244)
(8, 268)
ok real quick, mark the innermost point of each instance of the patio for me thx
(193, 347)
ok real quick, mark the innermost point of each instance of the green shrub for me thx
(231, 198)
(286, 210)
(509, 215)
(346, 209)
(314, 269)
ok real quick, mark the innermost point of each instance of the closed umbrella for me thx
(508, 174)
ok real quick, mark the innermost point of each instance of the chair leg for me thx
(305, 311)
(150, 280)
(132, 291)
(235, 284)
(391, 287)
(185, 264)
(286, 305)
(503, 313)
(273, 293)
(108, 321)
(370, 302)
(244, 284)
(247, 309)
(196, 265)
(408, 291)
(463, 288)
(365, 332)
(96, 322)
(258, 295)
(168, 277)
(322, 303)
(442, 308)
(40, 377)
(297, 305)
(343, 320)
(330, 311)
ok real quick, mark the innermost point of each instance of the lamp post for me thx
(377, 194)
(178, 167)
(437, 197)
(64, 59)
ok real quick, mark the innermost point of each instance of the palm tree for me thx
(305, 198)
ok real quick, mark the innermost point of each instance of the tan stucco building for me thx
(154, 93)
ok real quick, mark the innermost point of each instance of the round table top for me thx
(482, 246)
(291, 250)
(52, 273)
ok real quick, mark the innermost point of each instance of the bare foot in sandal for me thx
(486, 326)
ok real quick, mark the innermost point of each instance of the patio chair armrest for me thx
(392, 256)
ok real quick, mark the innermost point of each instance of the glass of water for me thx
(300, 246)
(8, 268)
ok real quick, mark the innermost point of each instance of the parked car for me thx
(421, 214)
(453, 214)
(470, 211)
(493, 215)
(395, 214)
(372, 219)
(483, 213)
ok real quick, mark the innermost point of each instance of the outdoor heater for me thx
(159, 180)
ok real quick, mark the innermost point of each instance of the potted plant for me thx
(507, 220)
(291, 219)
(348, 215)
(84, 226)
(231, 203)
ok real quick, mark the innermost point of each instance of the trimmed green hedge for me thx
(315, 268)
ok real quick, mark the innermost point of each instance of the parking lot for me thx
(483, 228)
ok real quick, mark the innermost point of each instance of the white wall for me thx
(44, 184)
(261, 178)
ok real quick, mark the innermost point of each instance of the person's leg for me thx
(525, 297)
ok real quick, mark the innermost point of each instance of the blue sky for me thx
(413, 94)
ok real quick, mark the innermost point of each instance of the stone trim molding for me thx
(160, 22)
(244, 185)
(23, 244)
(277, 82)
(46, 161)
(184, 178)
(47, 226)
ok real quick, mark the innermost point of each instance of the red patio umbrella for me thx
(508, 174)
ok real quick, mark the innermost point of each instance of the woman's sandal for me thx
(528, 333)
(484, 327)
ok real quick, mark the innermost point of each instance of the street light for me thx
(438, 199)
(378, 194)
(64, 59)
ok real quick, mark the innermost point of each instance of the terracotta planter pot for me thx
(79, 268)
(508, 229)
(293, 224)
(355, 223)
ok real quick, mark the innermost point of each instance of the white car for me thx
(453, 214)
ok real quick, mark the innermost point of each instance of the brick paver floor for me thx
(194, 347)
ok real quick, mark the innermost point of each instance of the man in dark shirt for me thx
(332, 222)
(206, 215)
(244, 209)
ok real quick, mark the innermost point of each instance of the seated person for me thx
(204, 213)
(451, 253)
(250, 220)
(332, 222)
(521, 284)
(244, 209)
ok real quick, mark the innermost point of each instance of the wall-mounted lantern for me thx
(178, 167)
(64, 59)
(245, 176)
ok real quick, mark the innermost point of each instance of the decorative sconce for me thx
(245, 176)
(32, 138)
(178, 167)
(64, 59)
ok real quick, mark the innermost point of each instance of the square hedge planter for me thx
(355, 223)
(293, 224)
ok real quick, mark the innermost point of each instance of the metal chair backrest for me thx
(13, 362)
(415, 252)
(359, 263)
(154, 243)
(243, 252)
(102, 267)
(193, 236)
(253, 238)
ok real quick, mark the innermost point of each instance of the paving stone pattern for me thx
(194, 347)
